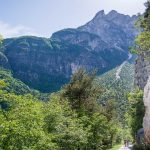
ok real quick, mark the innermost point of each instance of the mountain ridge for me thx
(46, 64)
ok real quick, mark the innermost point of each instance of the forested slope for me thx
(117, 88)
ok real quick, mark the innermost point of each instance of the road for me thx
(126, 148)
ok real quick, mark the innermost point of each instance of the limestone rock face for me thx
(146, 121)
(142, 81)
(142, 71)
(113, 28)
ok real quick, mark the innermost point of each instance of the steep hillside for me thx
(117, 88)
(13, 85)
(108, 55)
(41, 63)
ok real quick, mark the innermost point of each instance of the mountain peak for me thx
(100, 14)
(113, 12)
(114, 15)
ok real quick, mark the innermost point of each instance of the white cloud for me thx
(7, 30)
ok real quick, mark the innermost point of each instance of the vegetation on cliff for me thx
(142, 47)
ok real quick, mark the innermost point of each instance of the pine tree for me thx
(81, 93)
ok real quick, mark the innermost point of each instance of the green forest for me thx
(70, 119)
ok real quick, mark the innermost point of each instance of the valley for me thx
(82, 88)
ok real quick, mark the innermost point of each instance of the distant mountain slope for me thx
(41, 63)
(46, 64)
(117, 88)
(108, 56)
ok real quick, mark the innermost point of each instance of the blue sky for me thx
(43, 17)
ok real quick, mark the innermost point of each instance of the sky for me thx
(44, 17)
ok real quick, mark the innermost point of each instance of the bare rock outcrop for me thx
(146, 120)
(142, 81)
(142, 71)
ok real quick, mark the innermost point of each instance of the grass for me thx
(116, 147)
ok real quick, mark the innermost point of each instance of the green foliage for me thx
(9, 84)
(136, 111)
(143, 39)
(13, 85)
(145, 23)
(117, 89)
(133, 50)
(21, 123)
(114, 99)
(80, 91)
(2, 84)
(27, 123)
(83, 94)
(63, 122)
(100, 137)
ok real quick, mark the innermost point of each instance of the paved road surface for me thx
(126, 148)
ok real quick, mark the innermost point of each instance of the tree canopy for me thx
(65, 122)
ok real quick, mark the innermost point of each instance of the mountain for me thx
(46, 64)
(41, 63)
(114, 28)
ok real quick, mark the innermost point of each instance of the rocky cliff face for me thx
(115, 29)
(41, 63)
(142, 81)
(47, 63)
(146, 121)
(103, 33)
(142, 70)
